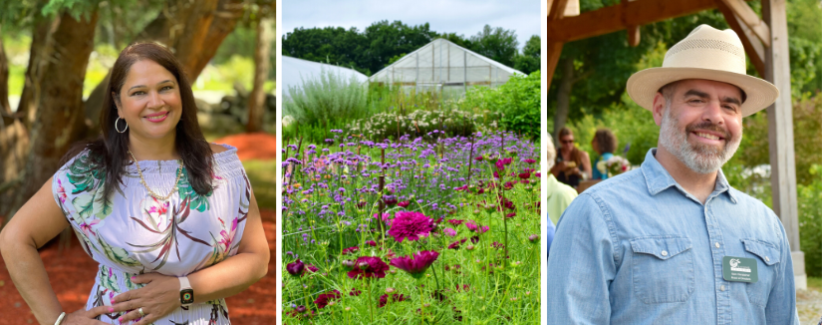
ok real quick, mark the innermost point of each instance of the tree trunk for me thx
(4, 83)
(563, 96)
(180, 26)
(57, 101)
(262, 51)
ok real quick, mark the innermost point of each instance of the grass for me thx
(815, 283)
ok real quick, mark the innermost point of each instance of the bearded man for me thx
(672, 242)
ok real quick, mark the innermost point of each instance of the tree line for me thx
(383, 43)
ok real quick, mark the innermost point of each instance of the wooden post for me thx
(780, 133)
(753, 46)
(555, 12)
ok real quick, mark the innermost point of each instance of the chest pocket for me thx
(767, 257)
(663, 269)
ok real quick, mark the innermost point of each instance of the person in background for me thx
(572, 164)
(559, 195)
(604, 143)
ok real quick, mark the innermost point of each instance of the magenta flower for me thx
(61, 192)
(456, 244)
(411, 225)
(461, 188)
(418, 264)
(228, 236)
(404, 204)
(86, 227)
(525, 175)
(455, 222)
(350, 250)
(472, 226)
(394, 297)
(390, 200)
(296, 268)
(368, 267)
(371, 243)
(530, 161)
(450, 232)
(325, 298)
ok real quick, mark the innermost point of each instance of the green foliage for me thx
(325, 99)
(810, 221)
(497, 44)
(383, 43)
(518, 100)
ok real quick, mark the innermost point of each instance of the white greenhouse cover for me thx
(296, 71)
(442, 64)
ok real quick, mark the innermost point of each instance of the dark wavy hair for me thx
(109, 153)
(606, 140)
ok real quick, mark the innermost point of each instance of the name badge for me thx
(739, 269)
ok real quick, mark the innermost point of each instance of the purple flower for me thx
(411, 225)
(296, 268)
(418, 264)
(368, 267)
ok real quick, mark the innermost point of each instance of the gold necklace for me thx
(150, 192)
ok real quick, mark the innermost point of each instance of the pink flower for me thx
(61, 191)
(350, 250)
(371, 243)
(411, 225)
(455, 222)
(162, 209)
(461, 188)
(368, 267)
(86, 227)
(530, 161)
(404, 204)
(456, 244)
(472, 226)
(525, 175)
(418, 264)
(450, 232)
(228, 237)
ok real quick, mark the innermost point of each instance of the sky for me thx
(444, 16)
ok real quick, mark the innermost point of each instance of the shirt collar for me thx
(658, 179)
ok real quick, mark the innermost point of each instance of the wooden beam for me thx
(552, 57)
(750, 19)
(556, 11)
(752, 45)
(618, 17)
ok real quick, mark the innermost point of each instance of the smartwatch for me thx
(186, 293)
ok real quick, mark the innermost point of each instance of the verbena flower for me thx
(418, 264)
(411, 225)
(368, 267)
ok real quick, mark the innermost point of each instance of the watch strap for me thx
(186, 292)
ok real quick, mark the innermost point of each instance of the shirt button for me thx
(767, 259)
(717, 245)
(664, 253)
(722, 288)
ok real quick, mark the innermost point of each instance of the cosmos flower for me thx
(529, 161)
(325, 298)
(525, 175)
(472, 226)
(411, 225)
(350, 250)
(368, 267)
(450, 232)
(296, 268)
(404, 204)
(417, 265)
(456, 244)
(390, 200)
(455, 222)
(394, 298)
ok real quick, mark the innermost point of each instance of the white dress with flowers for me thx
(132, 233)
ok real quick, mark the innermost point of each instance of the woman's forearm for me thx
(229, 277)
(29, 276)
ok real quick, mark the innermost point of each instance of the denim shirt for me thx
(638, 249)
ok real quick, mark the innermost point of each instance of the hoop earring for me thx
(117, 129)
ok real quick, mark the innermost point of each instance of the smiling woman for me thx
(171, 219)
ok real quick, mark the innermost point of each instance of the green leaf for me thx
(118, 255)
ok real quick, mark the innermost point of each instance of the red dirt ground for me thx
(72, 272)
(252, 145)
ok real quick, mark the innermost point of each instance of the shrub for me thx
(392, 125)
(518, 100)
(810, 221)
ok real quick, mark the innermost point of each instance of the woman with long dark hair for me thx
(170, 218)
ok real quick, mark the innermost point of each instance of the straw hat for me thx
(706, 53)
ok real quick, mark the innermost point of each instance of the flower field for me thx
(378, 233)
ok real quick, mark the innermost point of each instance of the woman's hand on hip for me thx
(86, 317)
(160, 297)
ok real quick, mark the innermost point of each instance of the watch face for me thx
(187, 296)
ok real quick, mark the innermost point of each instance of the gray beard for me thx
(699, 158)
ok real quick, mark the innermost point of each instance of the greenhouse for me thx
(298, 71)
(443, 65)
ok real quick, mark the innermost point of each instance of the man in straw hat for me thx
(672, 242)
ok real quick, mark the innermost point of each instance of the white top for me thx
(133, 233)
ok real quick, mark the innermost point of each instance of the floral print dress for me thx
(131, 233)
